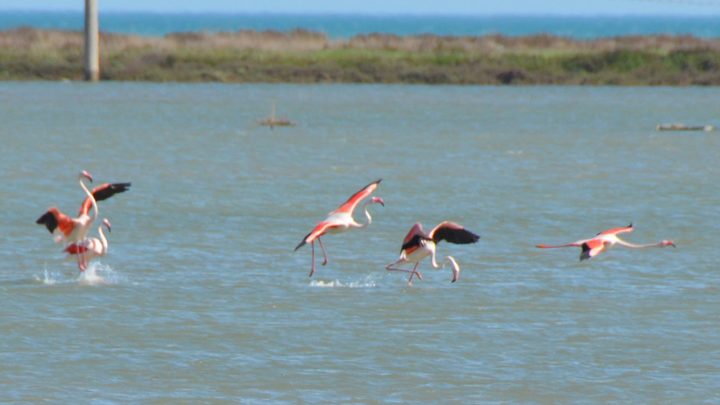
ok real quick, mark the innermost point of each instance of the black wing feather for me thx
(302, 242)
(585, 254)
(48, 220)
(459, 236)
(106, 192)
(414, 241)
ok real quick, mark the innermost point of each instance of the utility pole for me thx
(92, 51)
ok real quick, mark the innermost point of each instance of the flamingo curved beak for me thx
(378, 200)
(107, 224)
(87, 175)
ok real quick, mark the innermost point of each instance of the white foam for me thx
(99, 274)
(47, 278)
(96, 274)
(367, 283)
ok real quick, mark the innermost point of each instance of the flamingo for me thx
(90, 248)
(418, 245)
(73, 230)
(594, 246)
(341, 220)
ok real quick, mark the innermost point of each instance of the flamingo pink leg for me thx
(82, 262)
(413, 272)
(312, 267)
(325, 258)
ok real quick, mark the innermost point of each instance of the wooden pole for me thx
(92, 52)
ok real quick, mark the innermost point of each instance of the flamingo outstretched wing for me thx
(615, 231)
(413, 238)
(318, 231)
(571, 244)
(352, 202)
(103, 192)
(54, 219)
(453, 233)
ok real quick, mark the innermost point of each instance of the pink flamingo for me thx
(418, 245)
(594, 246)
(341, 220)
(73, 230)
(64, 227)
(90, 248)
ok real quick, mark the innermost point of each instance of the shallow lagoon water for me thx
(202, 299)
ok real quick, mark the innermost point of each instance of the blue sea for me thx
(345, 26)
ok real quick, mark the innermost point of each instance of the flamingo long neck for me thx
(367, 215)
(640, 246)
(433, 256)
(433, 261)
(103, 241)
(448, 260)
(92, 199)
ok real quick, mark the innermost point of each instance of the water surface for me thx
(204, 300)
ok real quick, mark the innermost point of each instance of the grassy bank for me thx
(307, 57)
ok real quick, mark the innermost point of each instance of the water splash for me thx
(99, 274)
(48, 278)
(368, 282)
(96, 274)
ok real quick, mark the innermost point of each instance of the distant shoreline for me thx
(301, 56)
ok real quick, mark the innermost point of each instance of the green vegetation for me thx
(306, 57)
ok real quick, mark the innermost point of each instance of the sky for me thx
(463, 7)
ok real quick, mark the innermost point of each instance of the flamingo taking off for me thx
(418, 245)
(341, 220)
(73, 230)
(90, 248)
(594, 246)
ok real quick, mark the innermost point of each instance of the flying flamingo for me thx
(90, 248)
(594, 246)
(341, 220)
(418, 245)
(73, 230)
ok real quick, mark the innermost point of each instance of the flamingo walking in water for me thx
(90, 248)
(605, 239)
(341, 220)
(73, 230)
(418, 245)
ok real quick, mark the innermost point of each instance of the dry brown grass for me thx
(304, 56)
(302, 41)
